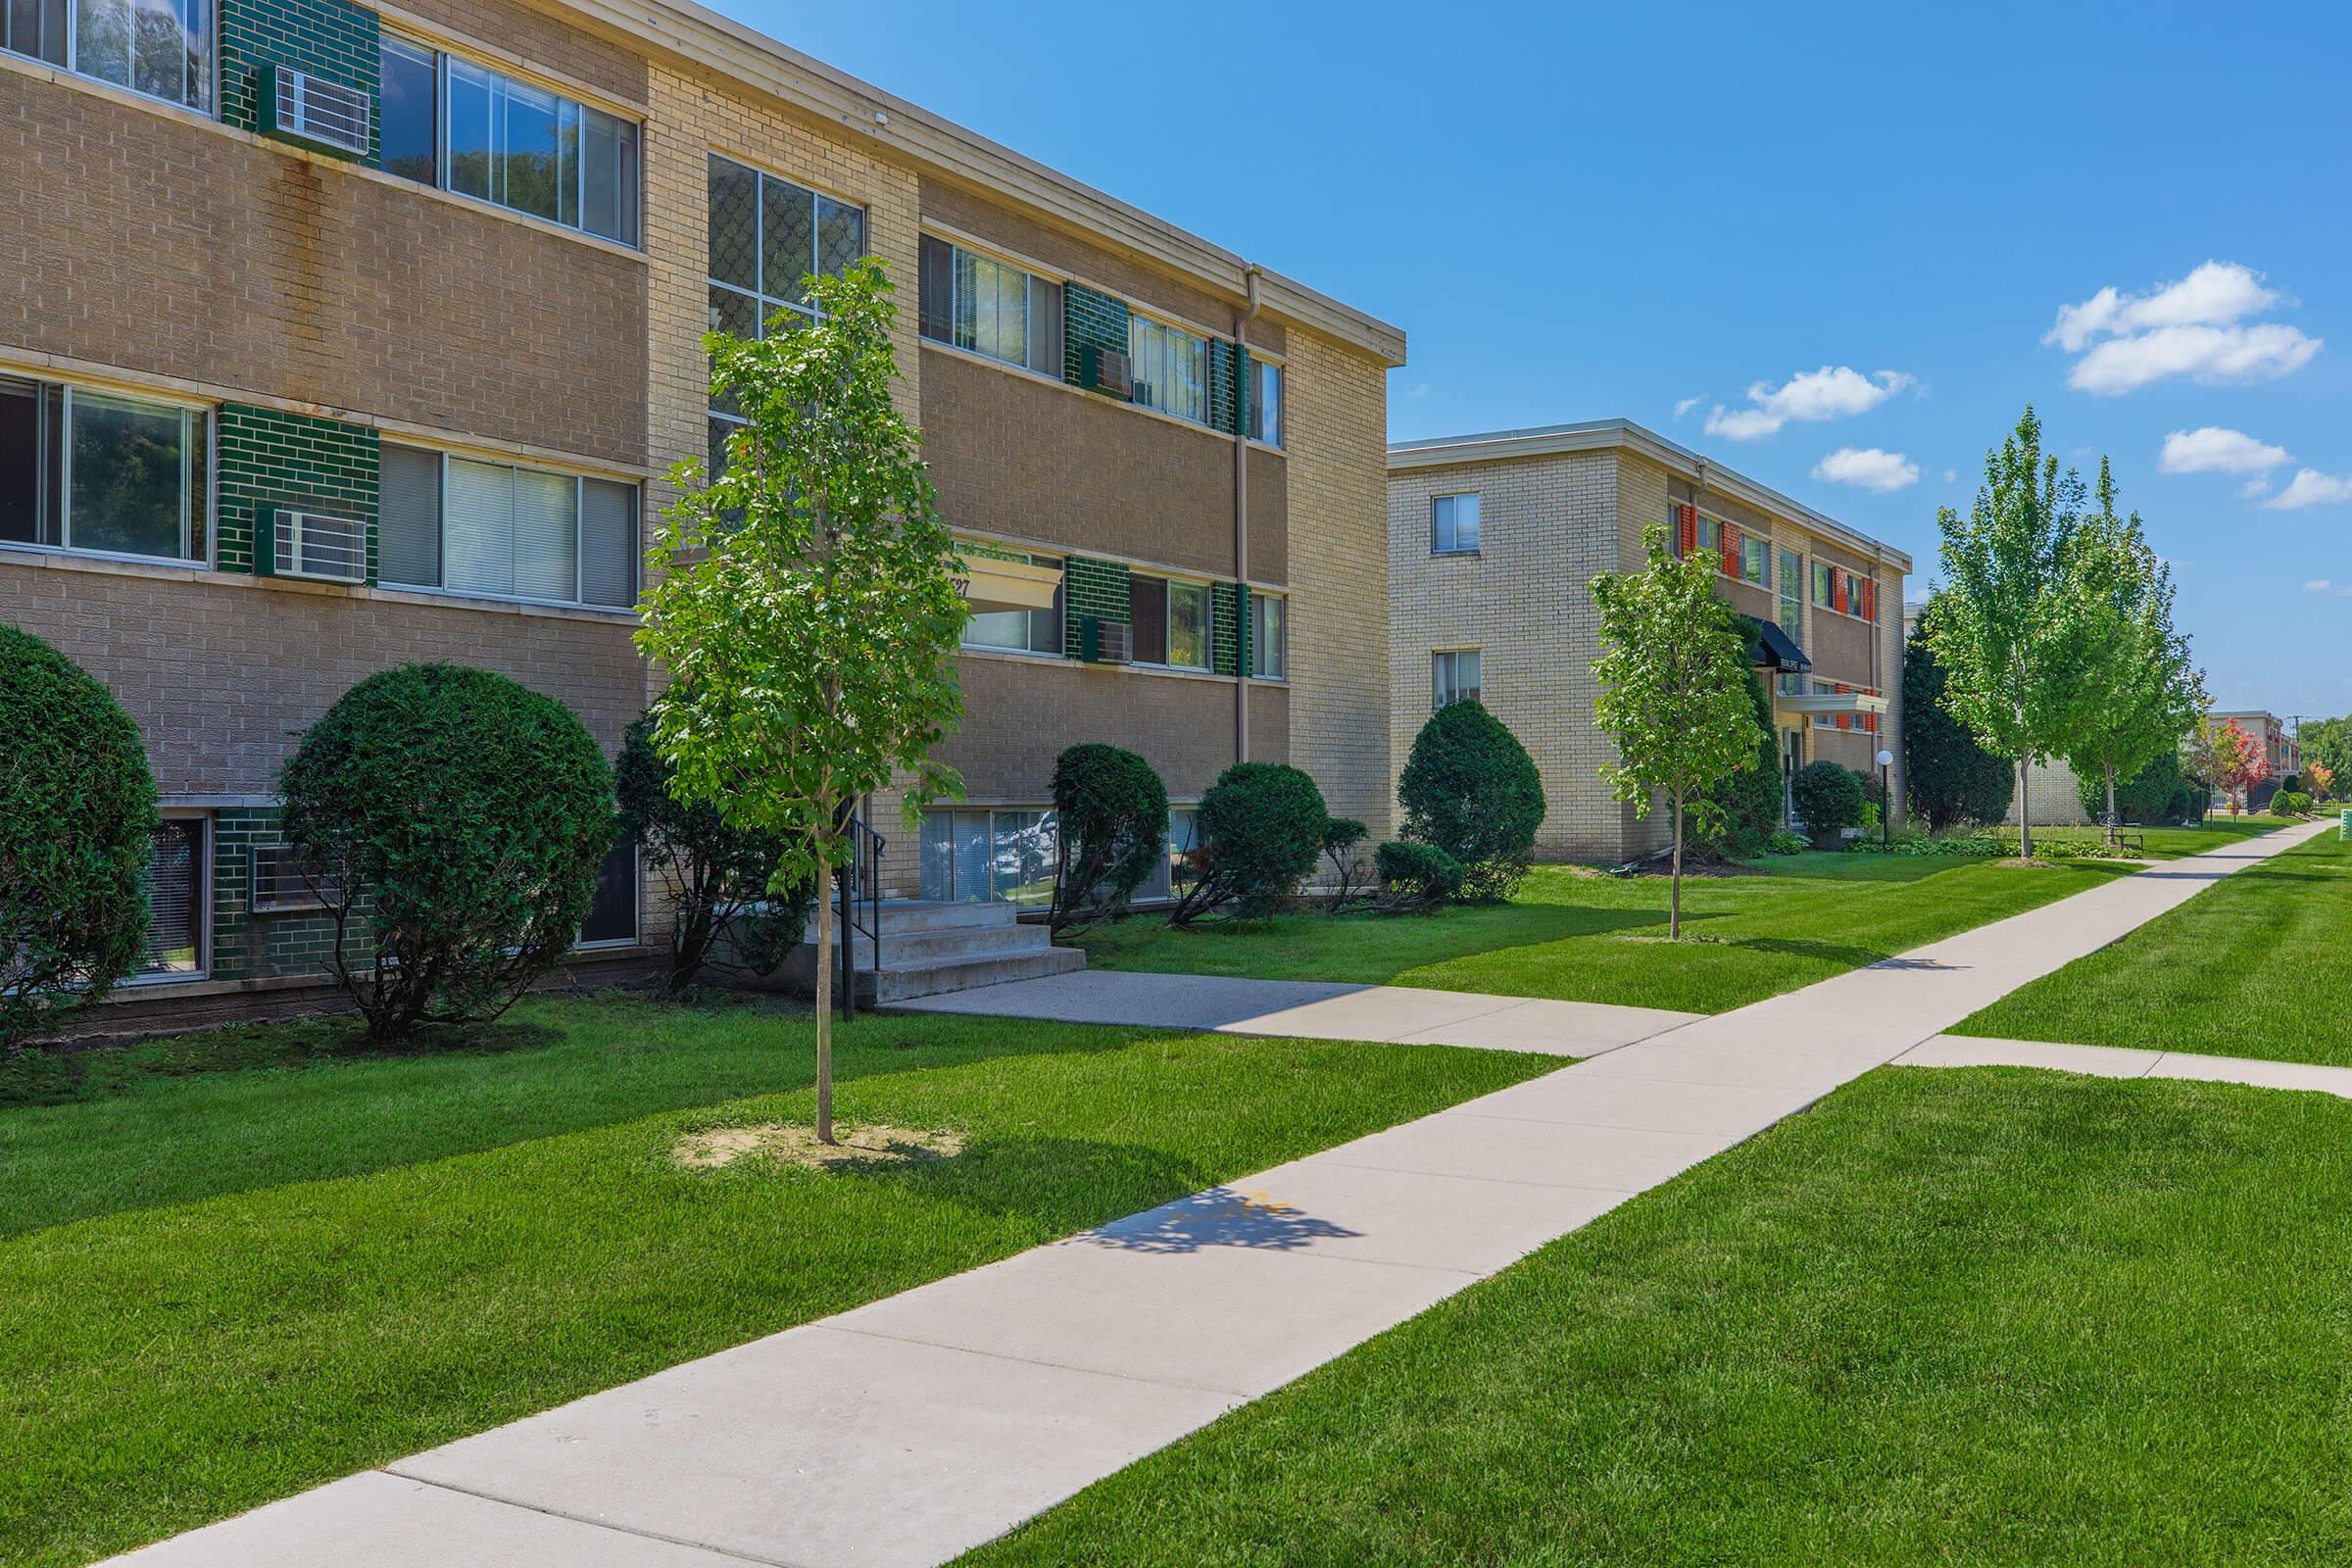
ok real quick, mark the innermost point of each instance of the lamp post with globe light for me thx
(1885, 800)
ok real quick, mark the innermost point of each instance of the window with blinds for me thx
(505, 531)
(175, 883)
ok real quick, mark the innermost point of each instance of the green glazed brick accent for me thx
(247, 946)
(321, 37)
(1228, 649)
(1096, 588)
(292, 458)
(1090, 320)
(1224, 385)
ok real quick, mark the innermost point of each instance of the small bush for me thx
(1419, 877)
(1784, 842)
(1829, 798)
(76, 808)
(1470, 788)
(1342, 846)
(2290, 803)
(718, 876)
(1112, 810)
(455, 820)
(1261, 828)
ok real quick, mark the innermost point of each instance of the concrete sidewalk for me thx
(914, 1428)
(2116, 1062)
(1313, 1009)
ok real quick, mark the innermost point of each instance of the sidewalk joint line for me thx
(594, 1524)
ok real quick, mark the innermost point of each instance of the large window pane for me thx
(175, 883)
(1265, 401)
(734, 225)
(1267, 613)
(1044, 326)
(788, 236)
(408, 547)
(30, 420)
(1188, 625)
(608, 176)
(612, 916)
(547, 535)
(36, 28)
(840, 235)
(607, 542)
(1021, 857)
(970, 858)
(470, 93)
(407, 119)
(1147, 614)
(479, 532)
(129, 476)
(530, 149)
(102, 40)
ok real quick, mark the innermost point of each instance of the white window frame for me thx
(192, 418)
(1259, 368)
(1450, 658)
(1439, 544)
(1060, 612)
(958, 250)
(579, 555)
(1258, 670)
(1167, 622)
(1139, 321)
(207, 79)
(442, 107)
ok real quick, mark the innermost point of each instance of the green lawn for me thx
(2257, 965)
(278, 1276)
(2163, 842)
(1585, 937)
(1993, 1317)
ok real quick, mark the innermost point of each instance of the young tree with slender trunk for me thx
(2134, 690)
(1674, 678)
(805, 602)
(2002, 630)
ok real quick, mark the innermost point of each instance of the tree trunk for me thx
(2114, 828)
(2025, 810)
(824, 1009)
(1674, 896)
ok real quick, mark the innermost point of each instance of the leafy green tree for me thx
(805, 602)
(1951, 778)
(2132, 688)
(1470, 788)
(2004, 631)
(1674, 679)
(718, 876)
(452, 821)
(2328, 742)
(77, 806)
(1110, 810)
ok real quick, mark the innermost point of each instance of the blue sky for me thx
(1577, 211)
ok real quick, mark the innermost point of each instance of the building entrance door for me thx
(1793, 758)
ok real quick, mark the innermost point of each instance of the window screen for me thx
(407, 546)
(175, 883)
(607, 542)
(1147, 612)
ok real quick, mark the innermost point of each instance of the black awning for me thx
(1770, 648)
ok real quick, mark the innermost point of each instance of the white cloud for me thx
(2318, 585)
(2311, 488)
(2194, 327)
(2210, 449)
(1684, 405)
(1868, 469)
(1951, 476)
(1809, 396)
(2259, 485)
(1420, 390)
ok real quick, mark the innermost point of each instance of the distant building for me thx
(2280, 745)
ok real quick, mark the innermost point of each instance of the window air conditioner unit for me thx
(311, 544)
(1106, 370)
(314, 112)
(1106, 642)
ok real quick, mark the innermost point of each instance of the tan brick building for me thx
(336, 337)
(1494, 539)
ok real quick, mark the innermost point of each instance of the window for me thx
(163, 48)
(768, 237)
(1170, 367)
(1004, 855)
(612, 915)
(1032, 632)
(1455, 674)
(283, 879)
(1823, 571)
(990, 307)
(1710, 537)
(1268, 635)
(1173, 875)
(1792, 611)
(1756, 560)
(1453, 525)
(1265, 401)
(448, 121)
(1169, 621)
(101, 472)
(509, 532)
(175, 880)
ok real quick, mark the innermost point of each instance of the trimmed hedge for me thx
(1418, 876)
(1470, 788)
(1828, 798)
(2290, 803)
(76, 809)
(1112, 810)
(1261, 829)
(469, 814)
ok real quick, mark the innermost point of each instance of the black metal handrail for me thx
(859, 890)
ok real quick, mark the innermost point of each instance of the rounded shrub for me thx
(2290, 803)
(1828, 798)
(1418, 876)
(1112, 814)
(1470, 788)
(76, 808)
(1261, 828)
(455, 820)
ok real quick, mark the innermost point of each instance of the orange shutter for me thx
(1839, 581)
(1687, 531)
(1844, 720)
(1730, 551)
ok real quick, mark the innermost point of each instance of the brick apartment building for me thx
(2279, 747)
(1493, 540)
(340, 337)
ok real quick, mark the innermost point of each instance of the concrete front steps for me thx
(928, 948)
